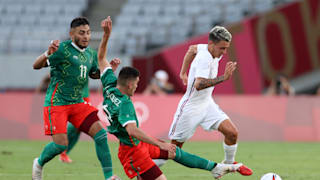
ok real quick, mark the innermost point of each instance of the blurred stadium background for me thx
(270, 37)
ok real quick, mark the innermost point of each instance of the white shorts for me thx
(187, 119)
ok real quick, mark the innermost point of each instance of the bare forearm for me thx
(186, 63)
(102, 53)
(40, 62)
(205, 83)
(140, 135)
(188, 58)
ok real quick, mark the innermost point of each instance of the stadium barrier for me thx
(258, 118)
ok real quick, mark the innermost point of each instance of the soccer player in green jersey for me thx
(137, 149)
(71, 63)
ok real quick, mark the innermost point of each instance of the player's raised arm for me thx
(188, 58)
(202, 83)
(106, 25)
(41, 60)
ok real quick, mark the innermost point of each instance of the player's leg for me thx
(230, 132)
(86, 120)
(99, 135)
(192, 161)
(55, 125)
(216, 119)
(73, 137)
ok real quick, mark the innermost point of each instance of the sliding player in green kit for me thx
(71, 63)
(137, 149)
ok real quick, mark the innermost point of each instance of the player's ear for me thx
(71, 32)
(129, 84)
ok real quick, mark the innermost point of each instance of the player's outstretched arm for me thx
(134, 131)
(202, 83)
(188, 58)
(41, 61)
(106, 25)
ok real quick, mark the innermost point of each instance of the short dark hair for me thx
(79, 21)
(126, 74)
(219, 33)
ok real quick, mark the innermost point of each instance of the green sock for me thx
(103, 152)
(49, 152)
(193, 161)
(73, 136)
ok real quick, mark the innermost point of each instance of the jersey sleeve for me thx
(95, 68)
(202, 66)
(127, 113)
(108, 78)
(55, 58)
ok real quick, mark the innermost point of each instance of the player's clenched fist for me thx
(115, 63)
(106, 25)
(53, 47)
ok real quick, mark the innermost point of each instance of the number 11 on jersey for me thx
(83, 71)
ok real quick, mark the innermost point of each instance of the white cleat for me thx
(223, 169)
(36, 170)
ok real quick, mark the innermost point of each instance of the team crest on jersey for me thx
(75, 57)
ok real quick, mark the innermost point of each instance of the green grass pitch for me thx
(292, 161)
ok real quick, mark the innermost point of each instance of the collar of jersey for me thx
(75, 46)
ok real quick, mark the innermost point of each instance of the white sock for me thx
(159, 162)
(229, 153)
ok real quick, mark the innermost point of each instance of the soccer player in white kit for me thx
(197, 106)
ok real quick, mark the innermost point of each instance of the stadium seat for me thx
(33, 9)
(53, 10)
(14, 9)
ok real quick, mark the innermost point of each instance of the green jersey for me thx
(69, 70)
(86, 92)
(118, 108)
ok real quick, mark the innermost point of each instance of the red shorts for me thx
(56, 117)
(138, 159)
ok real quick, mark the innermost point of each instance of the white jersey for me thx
(205, 66)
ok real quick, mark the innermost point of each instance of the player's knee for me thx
(61, 139)
(232, 136)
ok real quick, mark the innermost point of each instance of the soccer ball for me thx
(271, 176)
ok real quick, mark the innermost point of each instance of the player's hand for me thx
(115, 63)
(53, 47)
(168, 147)
(184, 78)
(230, 68)
(106, 25)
